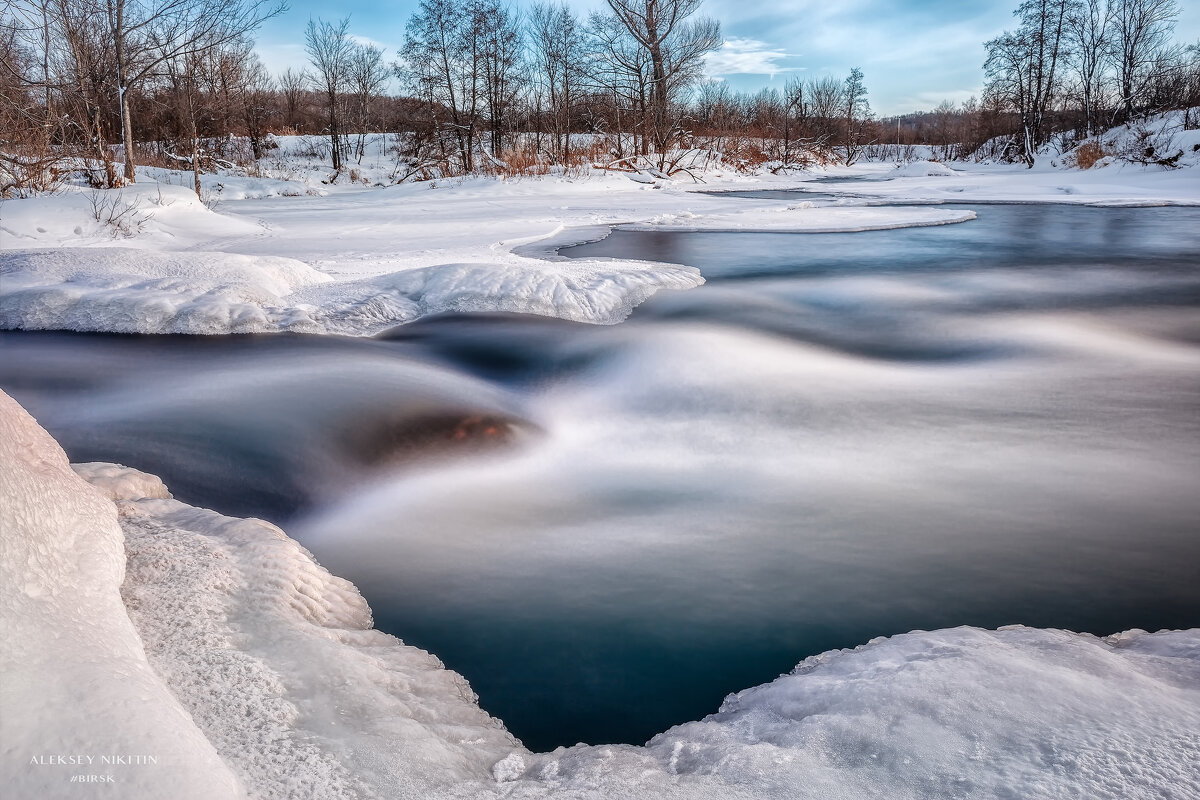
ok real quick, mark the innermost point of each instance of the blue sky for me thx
(914, 53)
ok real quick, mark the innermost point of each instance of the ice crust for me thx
(800, 218)
(220, 646)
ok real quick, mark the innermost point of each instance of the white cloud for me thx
(741, 56)
(366, 41)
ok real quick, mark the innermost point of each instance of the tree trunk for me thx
(196, 160)
(334, 134)
(127, 135)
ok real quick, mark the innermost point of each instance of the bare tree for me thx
(620, 66)
(501, 62)
(368, 75)
(1141, 30)
(1023, 67)
(675, 47)
(292, 84)
(145, 34)
(558, 45)
(440, 63)
(1088, 26)
(331, 51)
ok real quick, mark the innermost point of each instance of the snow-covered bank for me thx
(134, 291)
(926, 182)
(78, 696)
(370, 257)
(288, 688)
(360, 262)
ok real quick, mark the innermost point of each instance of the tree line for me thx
(483, 86)
(486, 86)
(1086, 65)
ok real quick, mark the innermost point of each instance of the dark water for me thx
(608, 529)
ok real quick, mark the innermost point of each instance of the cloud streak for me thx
(744, 56)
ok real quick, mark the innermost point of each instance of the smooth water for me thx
(607, 529)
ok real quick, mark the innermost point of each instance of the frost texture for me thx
(76, 679)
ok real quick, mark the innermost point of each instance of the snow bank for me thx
(921, 169)
(806, 218)
(1017, 712)
(275, 660)
(310, 702)
(134, 291)
(78, 691)
(141, 215)
(603, 292)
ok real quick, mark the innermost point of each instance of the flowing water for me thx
(607, 529)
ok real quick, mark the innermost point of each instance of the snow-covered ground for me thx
(219, 652)
(284, 251)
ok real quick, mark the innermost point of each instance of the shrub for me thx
(1088, 153)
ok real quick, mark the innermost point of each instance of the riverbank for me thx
(152, 259)
(221, 653)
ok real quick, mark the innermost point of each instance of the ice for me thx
(275, 660)
(77, 682)
(583, 291)
(805, 218)
(1017, 712)
(286, 686)
(136, 291)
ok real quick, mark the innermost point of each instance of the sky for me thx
(914, 53)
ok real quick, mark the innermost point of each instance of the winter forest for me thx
(487, 87)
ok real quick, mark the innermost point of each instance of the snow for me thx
(136, 291)
(287, 687)
(77, 681)
(921, 169)
(149, 215)
(366, 254)
(797, 218)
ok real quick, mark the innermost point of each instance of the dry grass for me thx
(525, 159)
(1088, 153)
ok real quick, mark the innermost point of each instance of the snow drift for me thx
(286, 686)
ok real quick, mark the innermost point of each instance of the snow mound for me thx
(602, 292)
(119, 482)
(921, 169)
(134, 291)
(139, 215)
(805, 218)
(77, 683)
